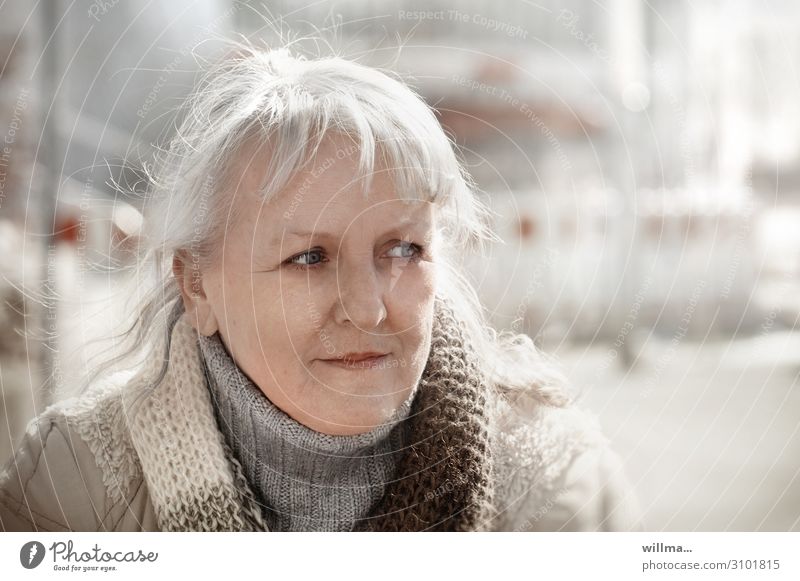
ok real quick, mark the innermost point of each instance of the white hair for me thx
(293, 102)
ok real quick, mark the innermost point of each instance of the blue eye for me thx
(309, 259)
(416, 250)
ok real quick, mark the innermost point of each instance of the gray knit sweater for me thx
(305, 480)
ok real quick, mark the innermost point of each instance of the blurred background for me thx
(642, 159)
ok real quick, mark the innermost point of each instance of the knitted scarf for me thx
(444, 480)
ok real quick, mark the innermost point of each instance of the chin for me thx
(355, 421)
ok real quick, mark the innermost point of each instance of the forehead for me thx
(327, 194)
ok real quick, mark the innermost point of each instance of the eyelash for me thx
(418, 254)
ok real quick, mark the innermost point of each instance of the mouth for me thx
(359, 360)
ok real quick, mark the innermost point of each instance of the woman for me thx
(312, 358)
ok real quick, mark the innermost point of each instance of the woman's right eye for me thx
(307, 260)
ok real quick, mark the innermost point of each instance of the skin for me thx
(283, 304)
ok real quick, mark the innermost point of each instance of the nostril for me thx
(363, 313)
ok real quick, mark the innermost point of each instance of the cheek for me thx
(411, 294)
(281, 335)
(250, 306)
(288, 315)
(411, 305)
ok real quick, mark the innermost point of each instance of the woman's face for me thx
(318, 278)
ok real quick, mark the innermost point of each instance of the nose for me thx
(361, 295)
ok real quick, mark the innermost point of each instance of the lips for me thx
(363, 360)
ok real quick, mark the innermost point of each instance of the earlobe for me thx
(195, 301)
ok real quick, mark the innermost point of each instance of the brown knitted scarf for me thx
(444, 481)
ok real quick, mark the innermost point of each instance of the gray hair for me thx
(293, 102)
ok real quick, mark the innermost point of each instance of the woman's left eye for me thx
(414, 249)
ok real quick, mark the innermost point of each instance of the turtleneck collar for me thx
(305, 479)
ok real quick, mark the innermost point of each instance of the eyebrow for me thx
(329, 235)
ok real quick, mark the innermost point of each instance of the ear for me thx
(189, 275)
